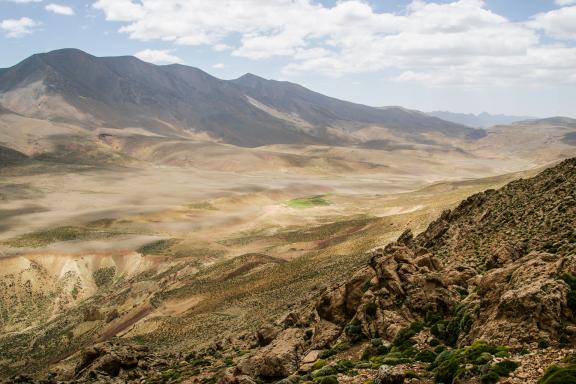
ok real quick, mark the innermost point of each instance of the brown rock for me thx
(389, 375)
(279, 359)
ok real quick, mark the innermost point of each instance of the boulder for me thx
(280, 358)
(266, 334)
(325, 333)
(389, 375)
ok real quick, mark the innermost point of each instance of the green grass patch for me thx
(308, 202)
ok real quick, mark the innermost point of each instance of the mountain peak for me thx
(250, 76)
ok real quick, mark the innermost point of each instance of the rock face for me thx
(108, 360)
(279, 359)
(503, 258)
(525, 294)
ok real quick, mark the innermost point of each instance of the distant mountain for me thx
(72, 86)
(482, 120)
(557, 121)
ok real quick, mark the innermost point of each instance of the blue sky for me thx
(500, 56)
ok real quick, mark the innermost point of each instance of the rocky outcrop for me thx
(279, 359)
(522, 302)
(109, 360)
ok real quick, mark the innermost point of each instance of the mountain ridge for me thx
(72, 86)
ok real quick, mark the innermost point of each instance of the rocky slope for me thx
(487, 291)
(490, 278)
(484, 285)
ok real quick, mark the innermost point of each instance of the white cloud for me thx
(565, 2)
(24, 1)
(59, 9)
(559, 23)
(158, 56)
(460, 42)
(120, 10)
(219, 66)
(18, 27)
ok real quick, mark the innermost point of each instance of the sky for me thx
(500, 56)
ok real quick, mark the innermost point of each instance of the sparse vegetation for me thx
(308, 202)
(160, 247)
(202, 205)
(104, 276)
(68, 233)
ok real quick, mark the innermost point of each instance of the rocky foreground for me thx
(486, 294)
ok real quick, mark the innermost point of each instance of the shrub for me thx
(403, 339)
(370, 309)
(557, 375)
(448, 367)
(354, 331)
(489, 378)
(332, 379)
(341, 347)
(324, 371)
(103, 276)
(425, 356)
(318, 364)
(570, 279)
(504, 368)
(449, 330)
(451, 365)
(343, 366)
(542, 344)
(411, 375)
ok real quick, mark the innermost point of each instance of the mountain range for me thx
(71, 86)
(481, 120)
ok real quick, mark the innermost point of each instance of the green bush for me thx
(425, 356)
(343, 366)
(449, 330)
(354, 331)
(403, 339)
(324, 371)
(557, 375)
(326, 380)
(318, 364)
(490, 378)
(504, 368)
(411, 375)
(103, 276)
(370, 309)
(571, 296)
(543, 344)
(450, 365)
